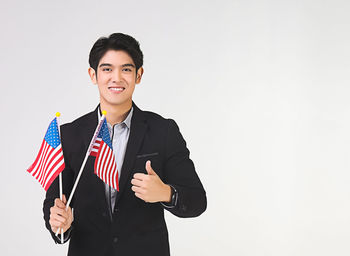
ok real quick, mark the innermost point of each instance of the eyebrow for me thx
(110, 65)
(128, 65)
(105, 65)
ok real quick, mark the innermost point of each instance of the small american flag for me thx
(49, 162)
(105, 164)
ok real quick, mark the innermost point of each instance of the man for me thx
(155, 170)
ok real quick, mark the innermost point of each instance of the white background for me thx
(260, 90)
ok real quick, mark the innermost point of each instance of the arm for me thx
(180, 177)
(180, 173)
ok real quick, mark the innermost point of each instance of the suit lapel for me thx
(89, 127)
(137, 132)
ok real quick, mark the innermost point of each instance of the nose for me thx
(116, 76)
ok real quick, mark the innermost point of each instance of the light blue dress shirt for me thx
(119, 137)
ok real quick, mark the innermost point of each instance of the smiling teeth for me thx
(116, 89)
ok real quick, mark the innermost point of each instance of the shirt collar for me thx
(127, 120)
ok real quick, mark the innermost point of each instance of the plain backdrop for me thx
(259, 88)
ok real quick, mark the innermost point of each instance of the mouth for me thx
(116, 89)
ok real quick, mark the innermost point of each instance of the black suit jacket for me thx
(135, 227)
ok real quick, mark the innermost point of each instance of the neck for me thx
(116, 114)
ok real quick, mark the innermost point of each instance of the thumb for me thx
(64, 200)
(149, 169)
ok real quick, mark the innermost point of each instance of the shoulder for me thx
(159, 127)
(80, 123)
(157, 121)
(77, 132)
(154, 117)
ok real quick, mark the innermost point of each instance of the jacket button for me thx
(104, 214)
(115, 239)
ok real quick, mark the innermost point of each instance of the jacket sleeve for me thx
(180, 173)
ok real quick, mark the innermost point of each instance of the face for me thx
(116, 79)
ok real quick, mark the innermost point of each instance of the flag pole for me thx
(58, 114)
(98, 128)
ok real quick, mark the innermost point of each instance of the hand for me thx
(59, 216)
(149, 187)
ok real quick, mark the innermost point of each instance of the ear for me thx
(139, 75)
(92, 75)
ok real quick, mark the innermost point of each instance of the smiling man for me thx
(155, 171)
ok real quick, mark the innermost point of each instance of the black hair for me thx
(116, 41)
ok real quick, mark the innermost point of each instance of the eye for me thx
(127, 69)
(106, 69)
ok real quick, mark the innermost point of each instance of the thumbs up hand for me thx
(149, 187)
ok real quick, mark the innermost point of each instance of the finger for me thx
(140, 196)
(56, 210)
(59, 203)
(69, 211)
(54, 229)
(53, 223)
(140, 176)
(64, 200)
(64, 214)
(138, 183)
(149, 169)
(58, 218)
(56, 223)
(138, 190)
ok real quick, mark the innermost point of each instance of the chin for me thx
(119, 103)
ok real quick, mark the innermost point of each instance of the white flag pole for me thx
(98, 128)
(60, 175)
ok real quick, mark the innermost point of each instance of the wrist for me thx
(173, 200)
(167, 194)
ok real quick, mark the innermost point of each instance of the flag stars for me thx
(104, 134)
(52, 135)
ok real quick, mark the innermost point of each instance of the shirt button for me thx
(115, 239)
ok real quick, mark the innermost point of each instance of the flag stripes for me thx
(49, 161)
(95, 147)
(105, 166)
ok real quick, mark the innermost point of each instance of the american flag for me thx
(105, 164)
(49, 162)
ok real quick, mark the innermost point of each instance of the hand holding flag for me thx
(60, 217)
(95, 147)
(50, 162)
